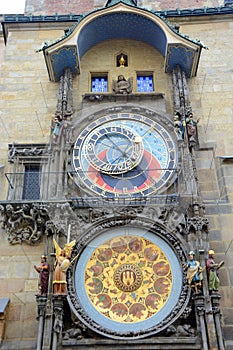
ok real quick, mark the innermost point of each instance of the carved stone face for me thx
(121, 77)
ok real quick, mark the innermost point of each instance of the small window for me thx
(99, 83)
(145, 83)
(122, 60)
(31, 186)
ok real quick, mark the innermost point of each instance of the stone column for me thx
(215, 299)
(58, 320)
(41, 303)
(200, 311)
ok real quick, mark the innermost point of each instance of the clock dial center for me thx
(114, 150)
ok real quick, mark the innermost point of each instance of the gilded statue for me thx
(61, 265)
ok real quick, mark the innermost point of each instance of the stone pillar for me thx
(215, 299)
(48, 326)
(200, 311)
(58, 320)
(41, 303)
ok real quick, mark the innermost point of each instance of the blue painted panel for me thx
(63, 58)
(121, 26)
(99, 84)
(179, 55)
(145, 83)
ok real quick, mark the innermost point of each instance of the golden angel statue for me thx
(61, 265)
(122, 86)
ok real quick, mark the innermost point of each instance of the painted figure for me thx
(212, 271)
(179, 129)
(191, 125)
(60, 267)
(194, 273)
(43, 271)
(56, 127)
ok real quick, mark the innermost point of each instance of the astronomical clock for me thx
(124, 155)
(128, 279)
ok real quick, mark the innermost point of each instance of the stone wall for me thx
(28, 101)
(18, 282)
(51, 7)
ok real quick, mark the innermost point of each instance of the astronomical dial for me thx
(124, 155)
(127, 282)
(114, 149)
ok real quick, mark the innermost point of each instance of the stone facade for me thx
(28, 104)
(50, 7)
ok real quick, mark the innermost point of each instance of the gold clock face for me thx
(124, 155)
(127, 280)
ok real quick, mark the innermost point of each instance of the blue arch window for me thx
(99, 83)
(145, 83)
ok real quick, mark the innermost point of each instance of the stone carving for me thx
(62, 121)
(41, 305)
(122, 86)
(58, 321)
(24, 223)
(180, 92)
(68, 130)
(65, 98)
(62, 215)
(51, 229)
(16, 151)
(180, 331)
(167, 216)
(77, 331)
(197, 223)
(187, 312)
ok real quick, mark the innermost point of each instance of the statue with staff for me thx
(61, 265)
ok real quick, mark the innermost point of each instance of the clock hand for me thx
(126, 150)
(117, 147)
(150, 129)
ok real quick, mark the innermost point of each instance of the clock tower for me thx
(130, 162)
(117, 201)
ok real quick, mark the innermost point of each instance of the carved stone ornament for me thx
(24, 152)
(58, 313)
(122, 86)
(24, 223)
(197, 223)
(41, 305)
(171, 218)
(27, 223)
(65, 96)
(139, 252)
